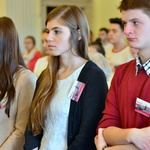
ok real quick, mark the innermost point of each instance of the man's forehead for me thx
(114, 26)
(132, 14)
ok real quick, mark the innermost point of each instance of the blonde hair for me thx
(74, 18)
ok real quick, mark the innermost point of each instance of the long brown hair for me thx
(74, 18)
(10, 59)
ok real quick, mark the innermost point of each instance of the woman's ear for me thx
(79, 35)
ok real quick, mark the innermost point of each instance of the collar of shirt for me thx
(145, 66)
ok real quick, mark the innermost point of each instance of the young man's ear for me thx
(79, 35)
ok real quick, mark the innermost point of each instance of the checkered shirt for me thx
(145, 66)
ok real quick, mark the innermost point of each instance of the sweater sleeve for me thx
(111, 112)
(94, 96)
(31, 141)
(16, 139)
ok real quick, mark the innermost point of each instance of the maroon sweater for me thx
(126, 87)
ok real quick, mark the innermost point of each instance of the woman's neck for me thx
(68, 64)
(72, 63)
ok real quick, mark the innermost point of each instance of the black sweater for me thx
(85, 114)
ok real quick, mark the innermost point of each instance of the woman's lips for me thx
(51, 46)
(131, 39)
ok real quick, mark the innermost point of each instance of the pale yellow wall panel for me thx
(108, 10)
(2, 8)
(102, 11)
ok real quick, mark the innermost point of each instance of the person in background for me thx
(31, 55)
(126, 121)
(17, 86)
(71, 92)
(97, 55)
(42, 63)
(121, 52)
(103, 35)
(99, 47)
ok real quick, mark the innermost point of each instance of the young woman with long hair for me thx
(17, 86)
(71, 92)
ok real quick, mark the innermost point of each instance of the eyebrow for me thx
(130, 20)
(112, 30)
(54, 28)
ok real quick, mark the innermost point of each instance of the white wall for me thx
(26, 15)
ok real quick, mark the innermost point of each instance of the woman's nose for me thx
(50, 37)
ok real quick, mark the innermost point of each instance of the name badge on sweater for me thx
(76, 91)
(142, 107)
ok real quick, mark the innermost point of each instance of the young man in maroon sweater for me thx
(126, 121)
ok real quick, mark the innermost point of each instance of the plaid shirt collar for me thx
(145, 66)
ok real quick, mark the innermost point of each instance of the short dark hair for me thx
(104, 29)
(117, 21)
(135, 4)
(32, 38)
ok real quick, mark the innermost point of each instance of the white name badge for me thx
(76, 91)
(142, 107)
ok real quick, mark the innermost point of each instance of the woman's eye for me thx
(47, 31)
(135, 22)
(56, 32)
